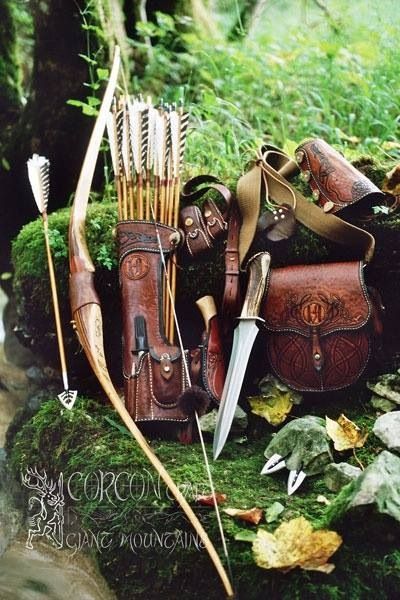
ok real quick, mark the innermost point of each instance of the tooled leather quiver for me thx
(156, 381)
(335, 183)
(321, 323)
(153, 369)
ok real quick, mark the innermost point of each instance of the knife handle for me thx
(258, 267)
(208, 310)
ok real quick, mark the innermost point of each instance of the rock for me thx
(14, 379)
(240, 420)
(387, 429)
(10, 516)
(338, 475)
(387, 386)
(9, 404)
(378, 486)
(382, 404)
(49, 574)
(14, 350)
(304, 443)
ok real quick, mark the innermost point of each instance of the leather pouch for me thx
(202, 226)
(334, 182)
(321, 324)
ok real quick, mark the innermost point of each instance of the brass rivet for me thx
(188, 222)
(299, 156)
(315, 194)
(305, 175)
(328, 206)
(207, 213)
(317, 356)
(167, 369)
(175, 238)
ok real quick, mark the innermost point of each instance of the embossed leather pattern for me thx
(334, 182)
(319, 321)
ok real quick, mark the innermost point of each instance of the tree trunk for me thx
(47, 125)
(10, 103)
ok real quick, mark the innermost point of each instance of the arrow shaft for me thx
(56, 307)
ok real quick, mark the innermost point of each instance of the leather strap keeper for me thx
(334, 182)
(320, 323)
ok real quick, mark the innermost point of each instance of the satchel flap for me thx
(323, 298)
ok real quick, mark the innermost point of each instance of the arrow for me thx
(38, 173)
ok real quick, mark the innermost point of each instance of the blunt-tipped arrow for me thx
(38, 173)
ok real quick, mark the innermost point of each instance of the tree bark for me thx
(10, 103)
(47, 125)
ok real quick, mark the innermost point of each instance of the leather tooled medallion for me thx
(135, 266)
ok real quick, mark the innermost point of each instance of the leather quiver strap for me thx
(153, 368)
(334, 182)
(269, 174)
(321, 323)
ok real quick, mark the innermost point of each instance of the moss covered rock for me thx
(152, 550)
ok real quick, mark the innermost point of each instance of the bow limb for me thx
(87, 316)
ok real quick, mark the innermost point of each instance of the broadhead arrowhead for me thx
(67, 398)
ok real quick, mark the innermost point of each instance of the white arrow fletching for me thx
(126, 141)
(175, 145)
(38, 173)
(112, 138)
(151, 141)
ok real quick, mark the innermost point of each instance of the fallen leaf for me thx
(391, 183)
(274, 410)
(208, 499)
(344, 433)
(246, 535)
(295, 544)
(273, 512)
(252, 515)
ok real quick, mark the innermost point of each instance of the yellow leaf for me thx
(391, 183)
(295, 544)
(252, 515)
(344, 433)
(274, 409)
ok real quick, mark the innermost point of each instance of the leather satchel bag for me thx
(321, 321)
(321, 325)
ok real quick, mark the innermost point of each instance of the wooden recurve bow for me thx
(87, 317)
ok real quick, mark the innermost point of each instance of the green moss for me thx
(89, 439)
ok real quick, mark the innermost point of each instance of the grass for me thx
(298, 75)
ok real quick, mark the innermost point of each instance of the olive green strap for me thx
(279, 191)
